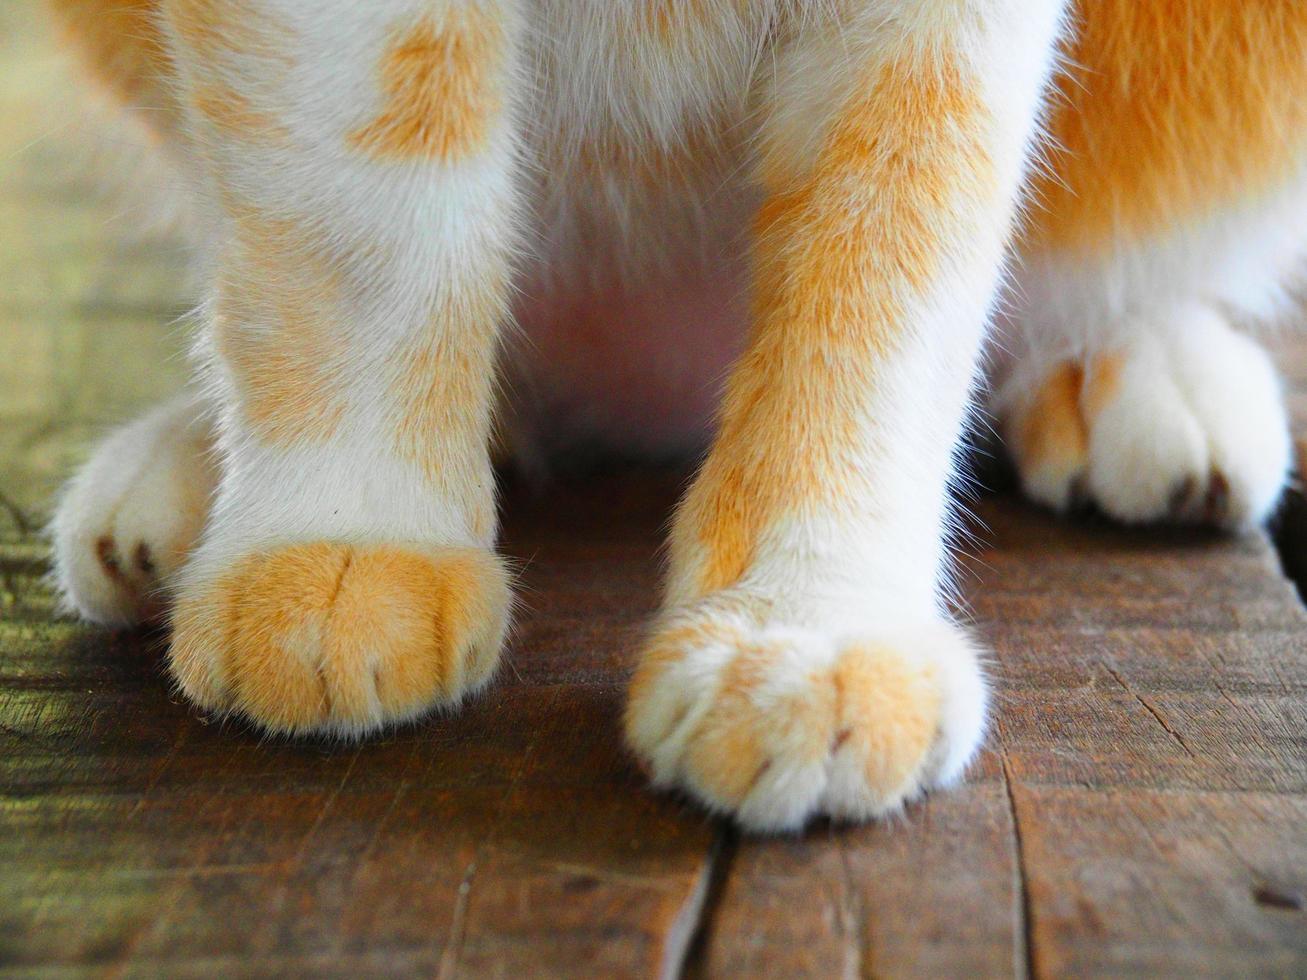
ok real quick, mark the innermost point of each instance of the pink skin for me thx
(637, 369)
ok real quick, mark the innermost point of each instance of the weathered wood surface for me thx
(512, 838)
(1141, 805)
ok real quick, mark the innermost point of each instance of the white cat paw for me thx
(126, 522)
(1185, 425)
(775, 726)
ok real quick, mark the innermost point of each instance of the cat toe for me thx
(776, 726)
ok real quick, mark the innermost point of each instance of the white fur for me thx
(1196, 429)
(436, 225)
(148, 484)
(1246, 258)
(795, 785)
(1199, 397)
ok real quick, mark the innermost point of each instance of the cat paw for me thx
(775, 726)
(340, 639)
(1186, 426)
(127, 521)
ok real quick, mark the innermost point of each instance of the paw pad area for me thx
(341, 638)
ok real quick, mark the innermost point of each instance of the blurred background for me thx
(92, 277)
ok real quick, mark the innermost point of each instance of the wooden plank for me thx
(1139, 808)
(935, 894)
(515, 836)
(1132, 882)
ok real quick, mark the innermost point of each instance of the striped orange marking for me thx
(1053, 431)
(870, 702)
(672, 645)
(1102, 381)
(213, 30)
(444, 391)
(235, 115)
(888, 714)
(834, 254)
(673, 20)
(727, 754)
(277, 328)
(445, 394)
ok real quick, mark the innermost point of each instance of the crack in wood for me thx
(453, 952)
(685, 949)
(852, 920)
(1023, 953)
(1157, 717)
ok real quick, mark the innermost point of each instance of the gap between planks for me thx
(685, 951)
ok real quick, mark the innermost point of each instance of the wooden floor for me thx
(1140, 807)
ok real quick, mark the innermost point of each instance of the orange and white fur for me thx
(613, 204)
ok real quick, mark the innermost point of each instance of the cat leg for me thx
(1168, 415)
(1168, 211)
(804, 663)
(130, 517)
(361, 161)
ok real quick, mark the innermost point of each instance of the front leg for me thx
(360, 159)
(805, 663)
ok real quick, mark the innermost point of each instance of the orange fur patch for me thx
(443, 88)
(1102, 380)
(672, 20)
(1175, 108)
(1052, 432)
(888, 714)
(212, 32)
(234, 115)
(121, 43)
(214, 29)
(194, 498)
(871, 702)
(833, 261)
(669, 647)
(727, 754)
(329, 634)
(277, 328)
(444, 390)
